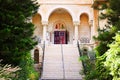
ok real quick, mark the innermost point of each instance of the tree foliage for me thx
(112, 56)
(105, 35)
(16, 32)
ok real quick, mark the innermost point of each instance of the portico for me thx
(76, 21)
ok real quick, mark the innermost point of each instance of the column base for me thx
(75, 42)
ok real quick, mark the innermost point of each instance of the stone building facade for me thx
(66, 22)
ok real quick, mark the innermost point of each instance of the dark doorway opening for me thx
(60, 37)
(36, 56)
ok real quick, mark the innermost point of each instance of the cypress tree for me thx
(16, 33)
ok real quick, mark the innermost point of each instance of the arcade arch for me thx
(38, 32)
(60, 21)
(84, 29)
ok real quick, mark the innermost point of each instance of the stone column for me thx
(92, 31)
(45, 24)
(76, 25)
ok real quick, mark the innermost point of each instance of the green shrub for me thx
(112, 62)
(88, 61)
(28, 72)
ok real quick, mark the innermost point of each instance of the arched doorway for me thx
(60, 33)
(84, 29)
(60, 26)
(36, 56)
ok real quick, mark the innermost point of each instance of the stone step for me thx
(61, 62)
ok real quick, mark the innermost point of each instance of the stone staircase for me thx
(61, 62)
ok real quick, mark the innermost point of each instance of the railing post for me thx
(80, 54)
(43, 57)
(79, 48)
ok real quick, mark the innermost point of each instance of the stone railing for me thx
(84, 40)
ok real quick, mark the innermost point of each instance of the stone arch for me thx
(36, 18)
(62, 16)
(85, 15)
(62, 8)
(37, 21)
(84, 28)
(89, 14)
(37, 54)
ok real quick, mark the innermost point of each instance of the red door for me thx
(59, 37)
(56, 37)
(62, 35)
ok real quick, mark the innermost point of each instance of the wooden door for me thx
(60, 37)
(56, 37)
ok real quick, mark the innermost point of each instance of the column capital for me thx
(76, 23)
(45, 23)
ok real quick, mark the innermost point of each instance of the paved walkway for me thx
(61, 63)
